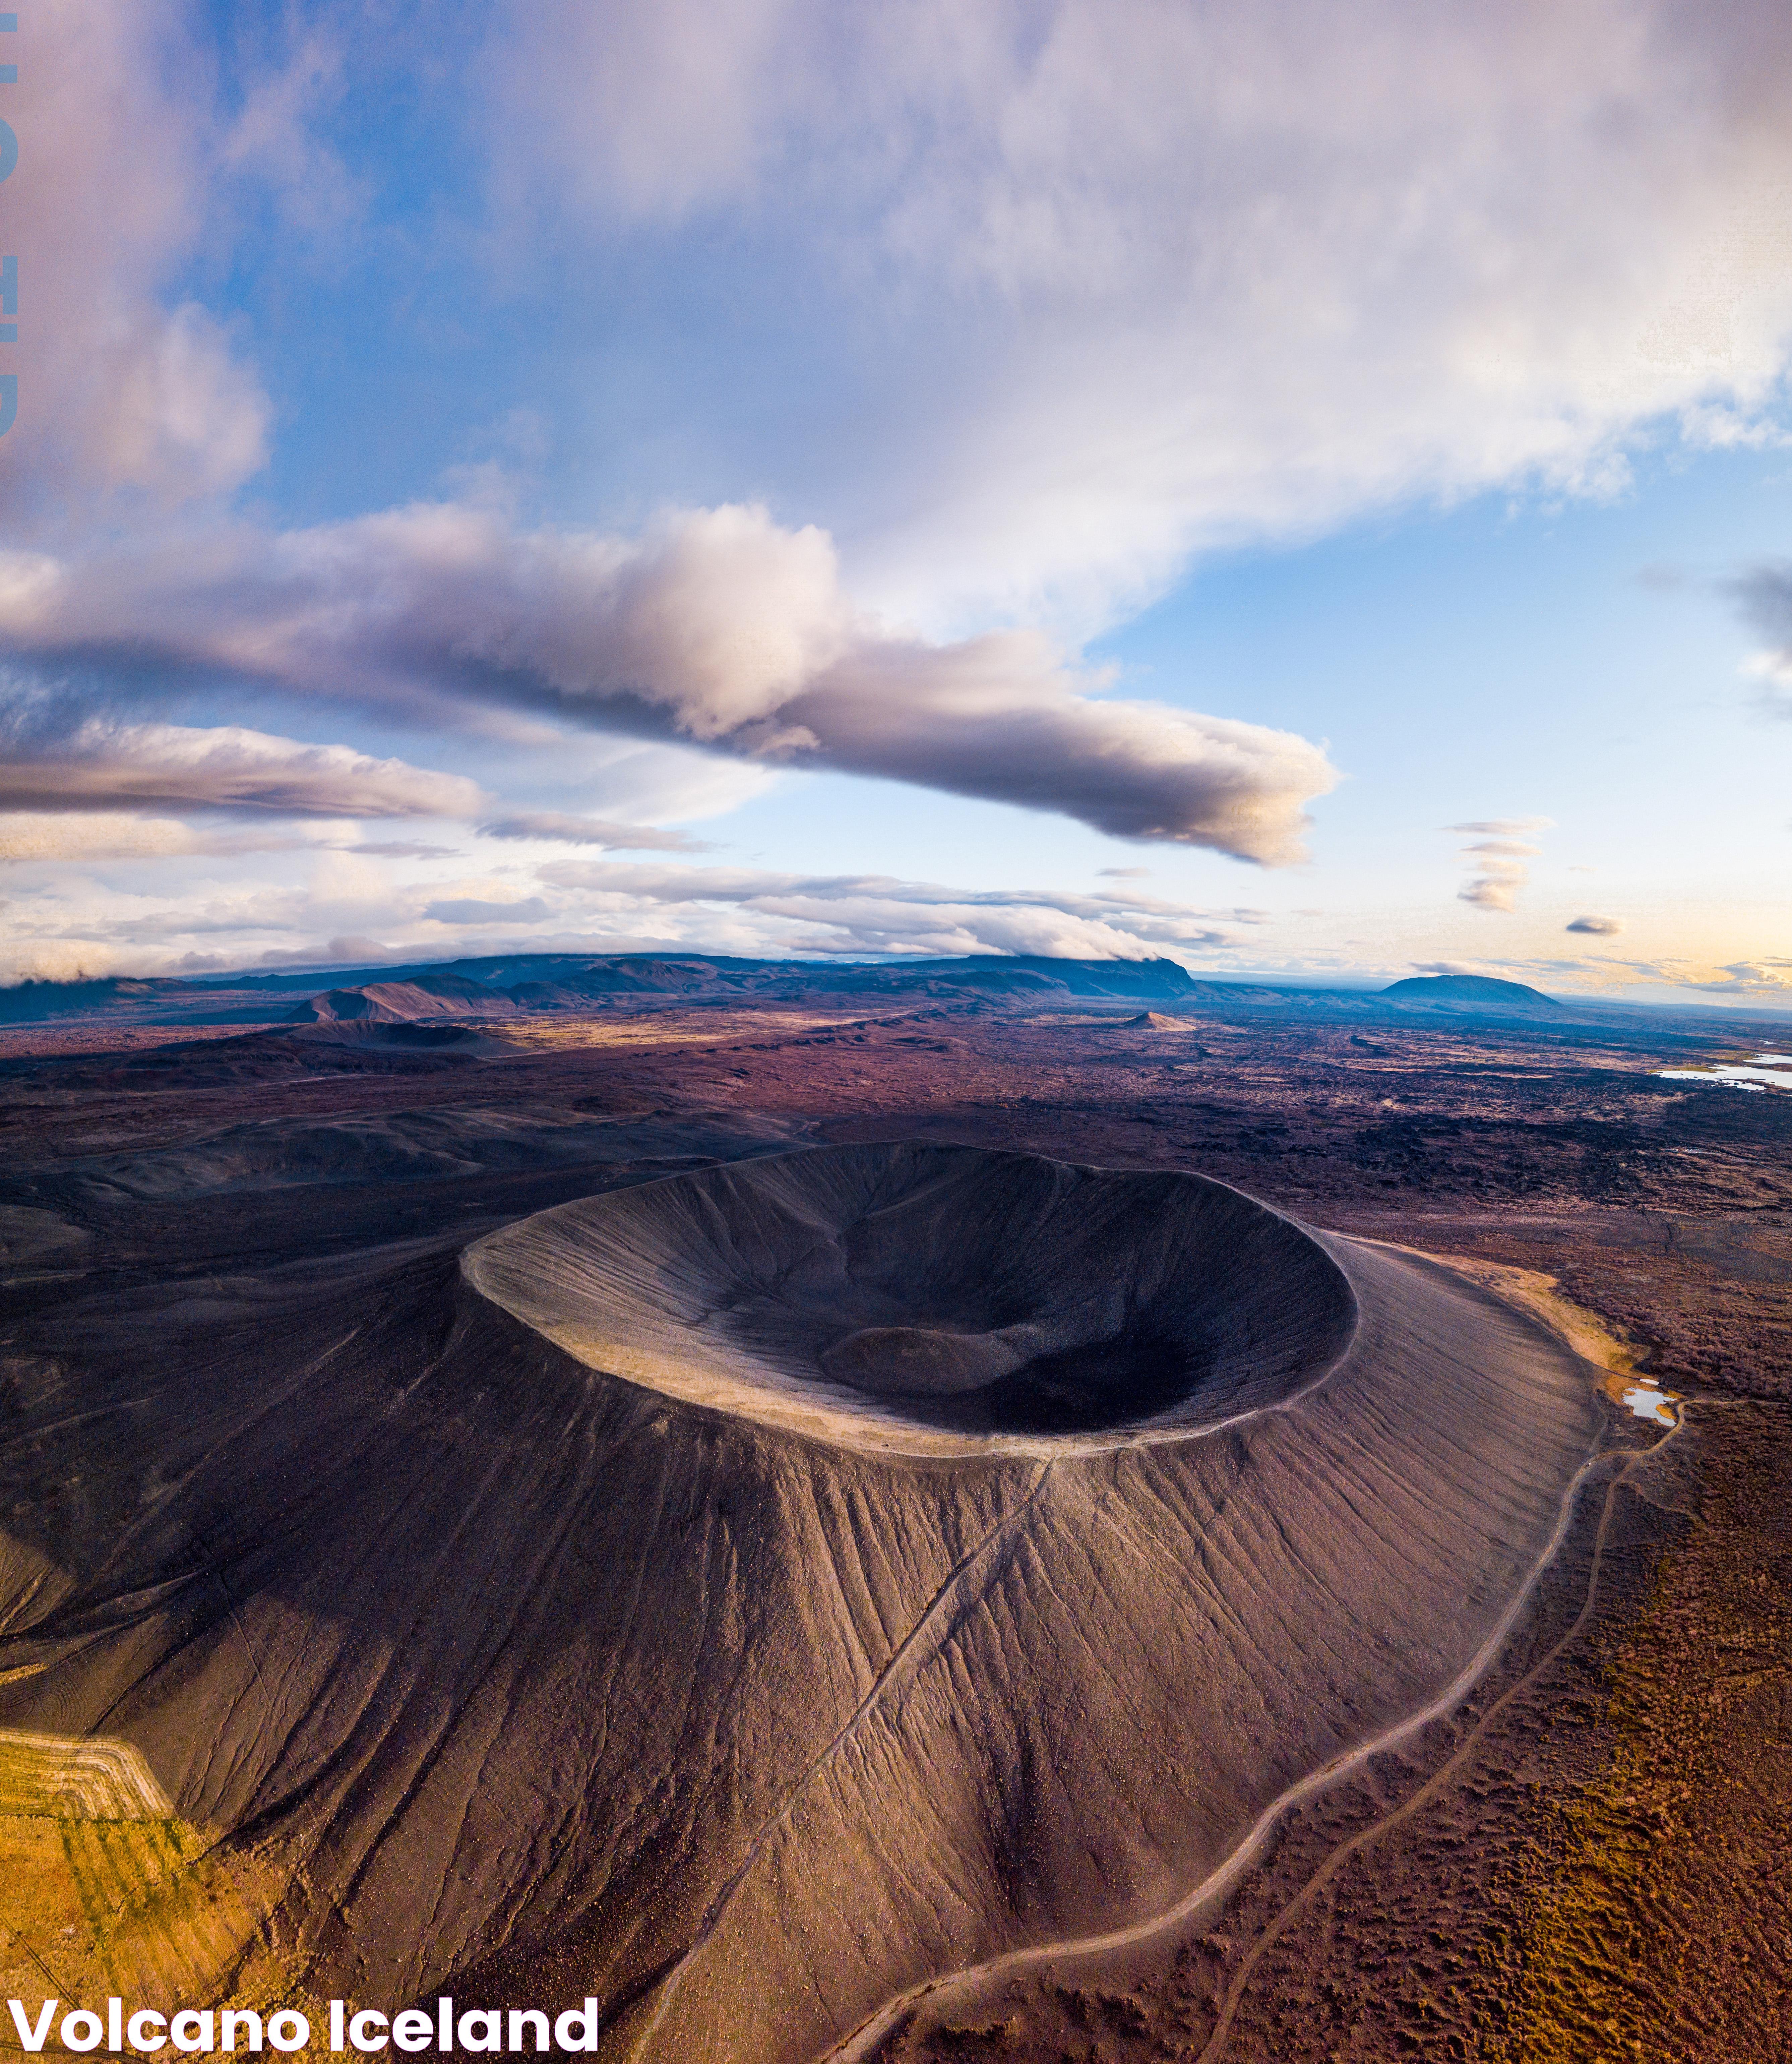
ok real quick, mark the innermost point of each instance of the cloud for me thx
(98, 764)
(106, 835)
(352, 947)
(1496, 888)
(1764, 594)
(118, 393)
(475, 910)
(1498, 860)
(716, 627)
(405, 849)
(1146, 278)
(555, 824)
(294, 74)
(877, 913)
(73, 960)
(581, 905)
(1602, 927)
(1770, 976)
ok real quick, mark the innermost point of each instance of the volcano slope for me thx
(748, 1594)
(1204, 1501)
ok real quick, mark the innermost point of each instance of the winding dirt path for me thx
(1367, 1837)
(859, 2045)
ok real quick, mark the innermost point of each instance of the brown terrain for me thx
(236, 1314)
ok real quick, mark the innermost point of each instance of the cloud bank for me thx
(570, 905)
(717, 627)
(98, 765)
(876, 914)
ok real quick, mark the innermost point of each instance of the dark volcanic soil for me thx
(1588, 1864)
(1592, 1860)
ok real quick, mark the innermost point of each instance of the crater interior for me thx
(954, 1290)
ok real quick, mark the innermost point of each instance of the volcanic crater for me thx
(882, 1291)
(749, 1595)
(1230, 1499)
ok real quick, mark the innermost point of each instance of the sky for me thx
(1303, 489)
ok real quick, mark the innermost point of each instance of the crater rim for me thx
(611, 1279)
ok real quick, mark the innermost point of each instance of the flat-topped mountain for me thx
(498, 984)
(27, 1002)
(1467, 992)
(560, 981)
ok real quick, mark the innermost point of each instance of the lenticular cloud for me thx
(717, 627)
(99, 765)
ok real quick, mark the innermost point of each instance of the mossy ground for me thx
(105, 1896)
(1662, 1932)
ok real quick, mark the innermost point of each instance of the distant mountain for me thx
(541, 980)
(1469, 992)
(27, 1001)
(500, 986)
(563, 981)
(399, 1002)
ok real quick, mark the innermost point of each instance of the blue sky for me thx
(1049, 478)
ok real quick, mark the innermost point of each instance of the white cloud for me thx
(1495, 888)
(717, 627)
(1601, 927)
(108, 835)
(1498, 860)
(101, 763)
(578, 906)
(118, 391)
(403, 849)
(876, 913)
(61, 960)
(1151, 278)
(652, 111)
(296, 75)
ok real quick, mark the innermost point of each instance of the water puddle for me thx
(1644, 1397)
(1760, 1071)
